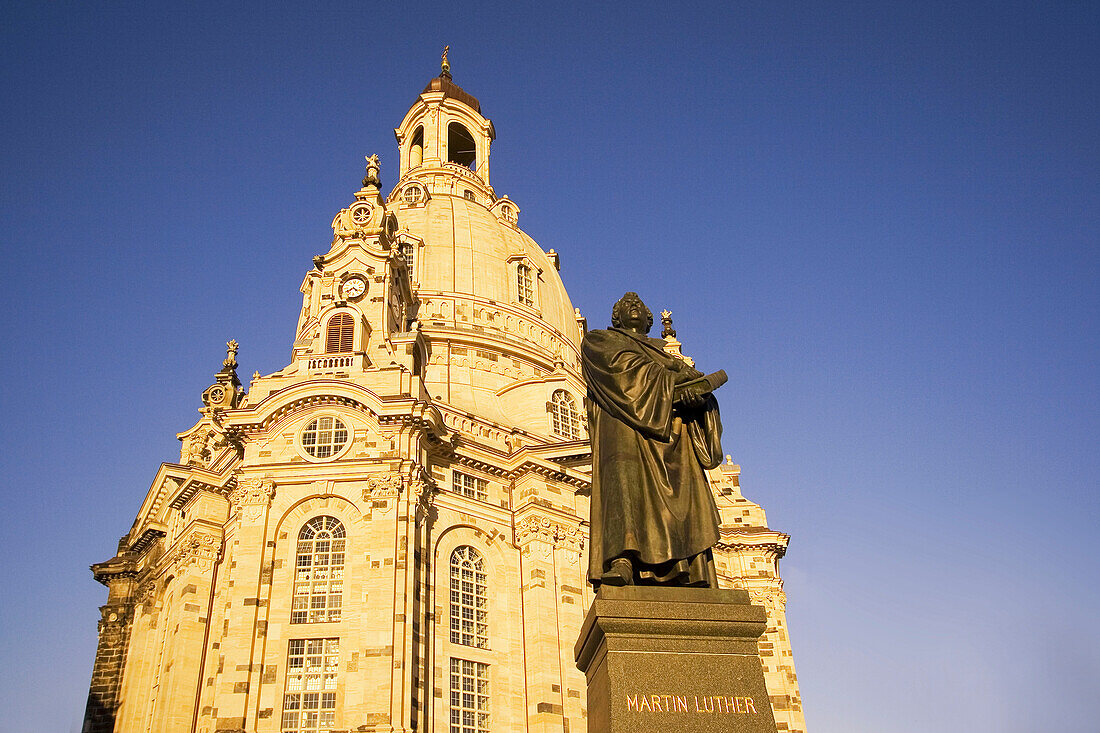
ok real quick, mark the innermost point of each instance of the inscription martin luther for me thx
(720, 704)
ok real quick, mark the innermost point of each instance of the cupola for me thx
(444, 131)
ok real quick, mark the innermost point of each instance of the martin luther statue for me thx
(655, 429)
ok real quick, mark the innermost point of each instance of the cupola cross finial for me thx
(445, 65)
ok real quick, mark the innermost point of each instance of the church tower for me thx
(388, 534)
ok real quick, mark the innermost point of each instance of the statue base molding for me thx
(674, 659)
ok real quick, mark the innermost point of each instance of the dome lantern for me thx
(445, 132)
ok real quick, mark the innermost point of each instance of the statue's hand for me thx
(692, 398)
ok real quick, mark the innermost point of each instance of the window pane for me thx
(305, 710)
(469, 709)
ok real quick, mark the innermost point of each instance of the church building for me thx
(388, 534)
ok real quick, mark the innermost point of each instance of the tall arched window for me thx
(319, 572)
(340, 335)
(416, 149)
(469, 599)
(564, 418)
(461, 147)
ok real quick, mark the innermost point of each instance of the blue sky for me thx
(879, 218)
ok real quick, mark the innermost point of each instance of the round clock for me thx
(353, 288)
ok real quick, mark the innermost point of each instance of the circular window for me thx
(324, 437)
(361, 215)
(412, 194)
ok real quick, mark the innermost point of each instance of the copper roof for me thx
(451, 89)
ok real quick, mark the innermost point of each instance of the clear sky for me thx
(880, 218)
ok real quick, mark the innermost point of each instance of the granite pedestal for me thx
(674, 659)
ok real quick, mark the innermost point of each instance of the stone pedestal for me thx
(674, 659)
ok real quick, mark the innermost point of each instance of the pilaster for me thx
(552, 597)
(240, 644)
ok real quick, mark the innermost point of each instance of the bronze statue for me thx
(655, 429)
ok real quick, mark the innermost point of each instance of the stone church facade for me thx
(388, 534)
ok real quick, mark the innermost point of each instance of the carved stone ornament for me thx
(198, 548)
(425, 489)
(197, 448)
(253, 492)
(146, 594)
(547, 530)
(383, 486)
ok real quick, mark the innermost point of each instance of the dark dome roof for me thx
(449, 88)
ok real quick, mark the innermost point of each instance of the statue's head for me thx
(624, 311)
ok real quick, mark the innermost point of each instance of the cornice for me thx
(748, 538)
(523, 462)
(401, 407)
(149, 536)
(118, 567)
(219, 483)
(465, 333)
(173, 486)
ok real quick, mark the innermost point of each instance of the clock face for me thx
(353, 288)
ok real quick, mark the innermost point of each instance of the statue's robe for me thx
(650, 497)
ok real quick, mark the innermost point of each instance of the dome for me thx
(467, 250)
(503, 333)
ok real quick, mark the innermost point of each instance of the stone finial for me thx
(231, 349)
(374, 170)
(226, 391)
(667, 331)
(445, 65)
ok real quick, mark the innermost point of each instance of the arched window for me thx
(319, 572)
(461, 147)
(525, 284)
(469, 599)
(340, 336)
(564, 418)
(416, 149)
